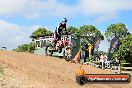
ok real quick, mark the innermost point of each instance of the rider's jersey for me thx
(60, 27)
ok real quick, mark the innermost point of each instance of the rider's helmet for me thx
(64, 20)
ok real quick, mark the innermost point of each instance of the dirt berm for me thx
(24, 70)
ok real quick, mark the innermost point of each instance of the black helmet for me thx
(64, 20)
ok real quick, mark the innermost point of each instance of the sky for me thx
(19, 18)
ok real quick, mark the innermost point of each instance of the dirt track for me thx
(23, 70)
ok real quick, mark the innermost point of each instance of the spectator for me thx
(82, 55)
(90, 50)
(105, 57)
(83, 47)
(102, 59)
(117, 61)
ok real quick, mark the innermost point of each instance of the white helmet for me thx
(64, 20)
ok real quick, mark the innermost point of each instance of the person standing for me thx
(90, 47)
(102, 60)
(82, 56)
(97, 58)
(117, 61)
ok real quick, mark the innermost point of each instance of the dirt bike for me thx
(50, 48)
(56, 46)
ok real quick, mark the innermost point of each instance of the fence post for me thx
(102, 64)
(119, 69)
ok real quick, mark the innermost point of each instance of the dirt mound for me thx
(24, 70)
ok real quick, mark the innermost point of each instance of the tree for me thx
(125, 49)
(41, 32)
(90, 30)
(72, 29)
(119, 30)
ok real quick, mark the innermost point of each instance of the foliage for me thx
(22, 48)
(41, 32)
(31, 47)
(125, 49)
(72, 29)
(119, 30)
(14, 49)
(100, 52)
(84, 43)
(90, 29)
(26, 47)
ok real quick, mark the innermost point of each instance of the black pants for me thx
(57, 36)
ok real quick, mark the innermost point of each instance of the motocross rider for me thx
(59, 29)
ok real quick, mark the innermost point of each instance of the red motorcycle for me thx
(55, 46)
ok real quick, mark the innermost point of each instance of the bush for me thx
(31, 47)
(26, 47)
(22, 48)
